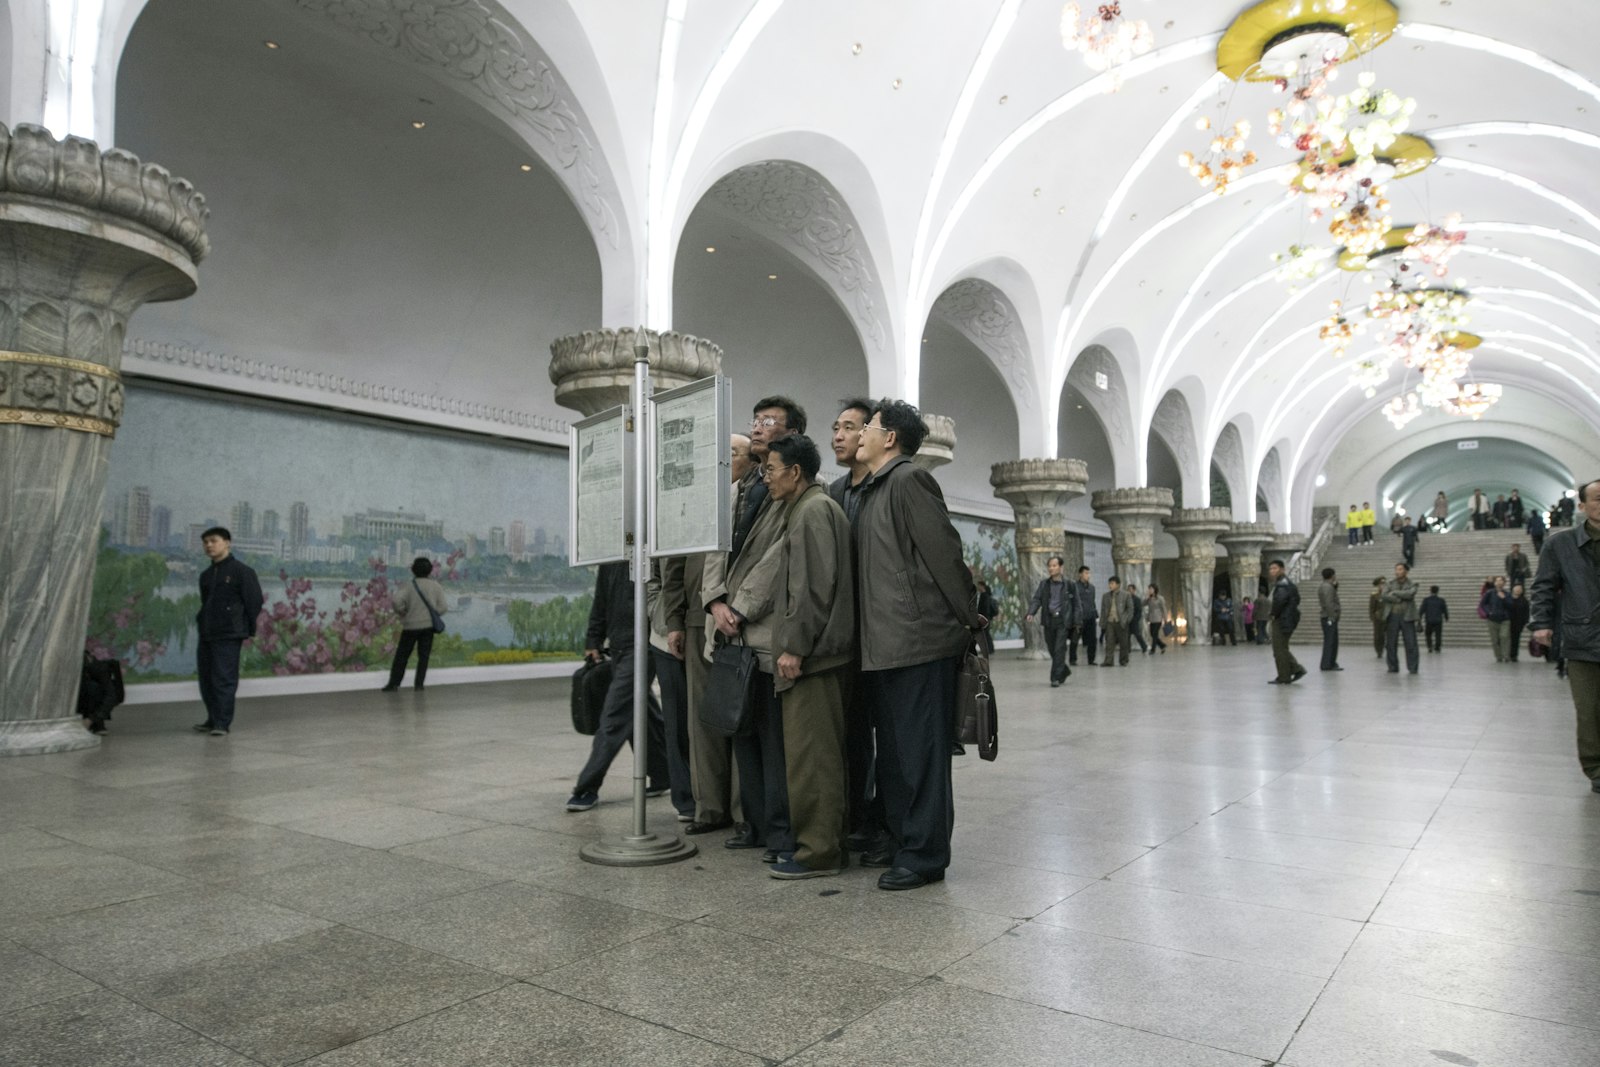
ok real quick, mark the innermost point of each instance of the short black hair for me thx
(1404, 564)
(1278, 563)
(857, 403)
(1327, 572)
(1083, 568)
(794, 416)
(1154, 588)
(1584, 489)
(797, 448)
(1433, 589)
(906, 422)
(1114, 580)
(422, 566)
(1056, 559)
(217, 531)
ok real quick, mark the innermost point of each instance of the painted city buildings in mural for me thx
(331, 509)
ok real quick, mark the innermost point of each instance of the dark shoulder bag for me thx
(433, 616)
(976, 716)
(730, 689)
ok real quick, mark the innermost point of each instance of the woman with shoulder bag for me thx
(419, 603)
(1155, 614)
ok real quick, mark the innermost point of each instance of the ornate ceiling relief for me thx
(1228, 456)
(794, 206)
(1110, 403)
(1173, 424)
(986, 318)
(479, 44)
(1270, 484)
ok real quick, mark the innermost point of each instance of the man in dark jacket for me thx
(230, 602)
(1434, 613)
(1285, 616)
(1568, 582)
(1055, 604)
(866, 814)
(611, 623)
(918, 615)
(1328, 604)
(1517, 569)
(1408, 542)
(1083, 625)
(1520, 611)
(1400, 621)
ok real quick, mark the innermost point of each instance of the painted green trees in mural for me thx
(129, 620)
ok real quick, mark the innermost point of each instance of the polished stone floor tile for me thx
(384, 826)
(161, 933)
(1344, 896)
(503, 851)
(1563, 851)
(749, 994)
(513, 928)
(1292, 850)
(1355, 1025)
(101, 1028)
(1226, 929)
(1554, 986)
(283, 1002)
(863, 923)
(1005, 842)
(1341, 827)
(73, 878)
(521, 1026)
(939, 1023)
(1573, 928)
(1503, 877)
(29, 979)
(365, 883)
(1241, 1008)
(718, 878)
(1003, 889)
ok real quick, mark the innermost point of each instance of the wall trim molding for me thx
(333, 682)
(183, 363)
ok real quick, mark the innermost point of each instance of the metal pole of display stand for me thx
(641, 848)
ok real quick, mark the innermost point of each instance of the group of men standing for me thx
(858, 606)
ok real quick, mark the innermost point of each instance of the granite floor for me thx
(1171, 864)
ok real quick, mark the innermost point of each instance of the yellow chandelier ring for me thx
(1269, 30)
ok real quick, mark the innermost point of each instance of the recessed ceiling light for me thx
(895, 84)
(1080, 407)
(711, 248)
(855, 49)
(1062, 210)
(924, 340)
(418, 124)
(1037, 191)
(527, 167)
(1004, 98)
(772, 277)
(271, 44)
(1169, 25)
(1433, 116)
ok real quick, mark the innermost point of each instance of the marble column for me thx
(593, 370)
(1196, 530)
(1244, 543)
(86, 238)
(1038, 491)
(1133, 515)
(939, 446)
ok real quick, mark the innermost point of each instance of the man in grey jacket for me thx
(918, 614)
(1117, 619)
(1328, 603)
(1400, 599)
(1568, 582)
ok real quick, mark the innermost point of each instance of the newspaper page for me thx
(690, 470)
(599, 489)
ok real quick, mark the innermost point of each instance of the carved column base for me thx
(939, 447)
(1038, 491)
(86, 238)
(1133, 515)
(1244, 542)
(593, 370)
(1196, 530)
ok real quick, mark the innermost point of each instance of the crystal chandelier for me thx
(1106, 39)
(1224, 159)
(1431, 247)
(1402, 409)
(1299, 265)
(1338, 331)
(1471, 401)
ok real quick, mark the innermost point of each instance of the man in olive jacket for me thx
(1328, 603)
(1568, 583)
(1400, 603)
(918, 614)
(812, 645)
(230, 602)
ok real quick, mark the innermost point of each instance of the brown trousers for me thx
(1584, 677)
(711, 773)
(814, 762)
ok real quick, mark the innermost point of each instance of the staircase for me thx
(1456, 562)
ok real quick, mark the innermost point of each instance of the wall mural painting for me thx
(330, 510)
(991, 551)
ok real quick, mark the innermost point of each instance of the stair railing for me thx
(1303, 565)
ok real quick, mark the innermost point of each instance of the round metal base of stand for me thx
(648, 850)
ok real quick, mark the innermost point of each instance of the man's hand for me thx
(1544, 637)
(789, 666)
(675, 643)
(983, 623)
(726, 618)
(592, 655)
(1025, 618)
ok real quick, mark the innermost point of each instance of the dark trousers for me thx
(616, 729)
(1354, 531)
(1584, 678)
(1282, 658)
(1222, 630)
(1136, 632)
(710, 756)
(1380, 633)
(422, 641)
(913, 708)
(669, 672)
(1397, 629)
(1410, 553)
(763, 777)
(1434, 631)
(1119, 645)
(218, 666)
(1366, 535)
(1330, 644)
(1084, 632)
(1538, 543)
(1516, 638)
(1055, 639)
(1155, 636)
(860, 750)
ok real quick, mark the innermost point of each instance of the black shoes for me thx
(1594, 786)
(390, 689)
(1297, 675)
(698, 827)
(862, 841)
(201, 728)
(1332, 668)
(883, 857)
(745, 838)
(904, 878)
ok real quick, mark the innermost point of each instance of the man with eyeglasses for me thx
(773, 417)
(918, 615)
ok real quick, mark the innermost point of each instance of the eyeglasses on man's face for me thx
(765, 422)
(874, 426)
(772, 470)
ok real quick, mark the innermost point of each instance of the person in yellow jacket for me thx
(1369, 519)
(1352, 526)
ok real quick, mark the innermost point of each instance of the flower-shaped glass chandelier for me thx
(1105, 37)
(1225, 157)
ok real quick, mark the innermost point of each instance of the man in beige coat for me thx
(812, 643)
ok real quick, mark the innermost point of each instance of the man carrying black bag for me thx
(611, 623)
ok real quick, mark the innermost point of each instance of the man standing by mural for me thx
(230, 602)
